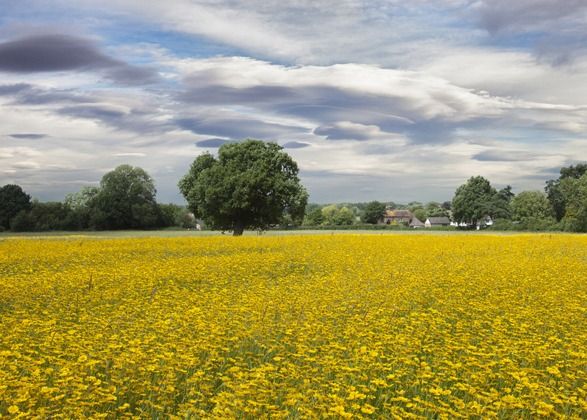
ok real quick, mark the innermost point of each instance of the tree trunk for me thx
(238, 228)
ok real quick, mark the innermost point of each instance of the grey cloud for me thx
(237, 127)
(296, 145)
(219, 94)
(333, 187)
(338, 133)
(27, 94)
(347, 131)
(57, 52)
(425, 131)
(437, 131)
(212, 143)
(134, 121)
(500, 15)
(504, 156)
(102, 108)
(6, 90)
(555, 28)
(324, 104)
(422, 108)
(96, 112)
(49, 184)
(561, 49)
(28, 136)
(554, 172)
(51, 53)
(37, 96)
(25, 165)
(378, 149)
(129, 154)
(314, 101)
(131, 75)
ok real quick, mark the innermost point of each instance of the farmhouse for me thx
(397, 217)
(437, 221)
(416, 223)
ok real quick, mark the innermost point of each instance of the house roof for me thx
(439, 220)
(416, 222)
(399, 213)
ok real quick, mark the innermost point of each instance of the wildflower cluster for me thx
(342, 326)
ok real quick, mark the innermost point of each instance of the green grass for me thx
(194, 233)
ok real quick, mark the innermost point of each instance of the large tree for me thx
(574, 193)
(373, 212)
(553, 188)
(251, 185)
(13, 200)
(125, 200)
(314, 216)
(335, 216)
(531, 205)
(476, 199)
(434, 209)
(499, 206)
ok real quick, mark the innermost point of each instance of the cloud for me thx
(122, 113)
(295, 145)
(529, 15)
(57, 52)
(368, 97)
(6, 90)
(26, 165)
(505, 156)
(237, 127)
(51, 53)
(28, 136)
(212, 143)
(27, 94)
(130, 154)
(218, 94)
(557, 29)
(305, 32)
(346, 130)
(345, 101)
(95, 112)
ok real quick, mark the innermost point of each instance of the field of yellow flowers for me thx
(340, 326)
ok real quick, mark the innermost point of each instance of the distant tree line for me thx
(370, 213)
(562, 205)
(125, 199)
(254, 185)
(250, 185)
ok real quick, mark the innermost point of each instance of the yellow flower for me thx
(387, 326)
(367, 409)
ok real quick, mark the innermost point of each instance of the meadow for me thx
(300, 326)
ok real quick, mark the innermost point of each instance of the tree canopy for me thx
(477, 198)
(334, 215)
(13, 200)
(574, 193)
(472, 200)
(251, 185)
(125, 200)
(373, 212)
(531, 204)
(553, 188)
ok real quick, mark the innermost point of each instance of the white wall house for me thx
(437, 221)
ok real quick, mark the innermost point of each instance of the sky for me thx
(387, 100)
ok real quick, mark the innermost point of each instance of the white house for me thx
(437, 221)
